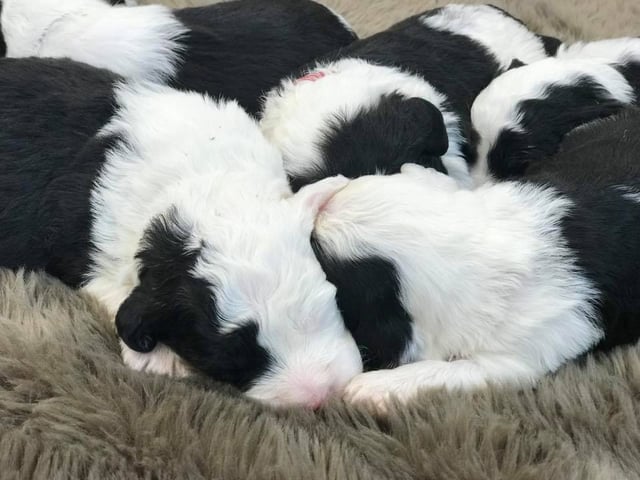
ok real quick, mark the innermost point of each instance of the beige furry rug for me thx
(567, 19)
(69, 409)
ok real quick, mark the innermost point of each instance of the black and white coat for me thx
(458, 288)
(174, 211)
(238, 49)
(522, 116)
(402, 95)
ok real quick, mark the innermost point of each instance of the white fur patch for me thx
(611, 51)
(505, 38)
(163, 361)
(484, 274)
(141, 43)
(296, 114)
(496, 107)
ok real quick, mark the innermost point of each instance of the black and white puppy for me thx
(403, 95)
(173, 211)
(238, 49)
(502, 284)
(522, 116)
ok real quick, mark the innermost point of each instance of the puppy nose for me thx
(312, 395)
(318, 400)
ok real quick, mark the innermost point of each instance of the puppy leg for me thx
(377, 388)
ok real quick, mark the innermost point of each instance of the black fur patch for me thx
(603, 228)
(551, 44)
(50, 111)
(242, 49)
(515, 63)
(368, 298)
(171, 306)
(545, 122)
(631, 72)
(382, 139)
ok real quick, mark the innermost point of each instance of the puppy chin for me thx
(161, 360)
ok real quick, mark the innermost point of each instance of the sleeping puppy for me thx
(400, 96)
(237, 49)
(523, 115)
(530, 274)
(174, 212)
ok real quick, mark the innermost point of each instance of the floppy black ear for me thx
(430, 130)
(516, 63)
(134, 322)
(380, 139)
(165, 259)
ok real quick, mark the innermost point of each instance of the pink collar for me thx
(311, 77)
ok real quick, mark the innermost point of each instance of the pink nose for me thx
(316, 402)
(315, 397)
(310, 394)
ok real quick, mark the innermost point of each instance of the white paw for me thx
(375, 390)
(161, 361)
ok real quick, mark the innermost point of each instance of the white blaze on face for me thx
(265, 271)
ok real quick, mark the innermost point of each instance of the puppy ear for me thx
(132, 323)
(431, 131)
(315, 196)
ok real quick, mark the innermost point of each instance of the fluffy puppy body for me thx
(400, 96)
(48, 161)
(174, 211)
(237, 49)
(528, 276)
(522, 116)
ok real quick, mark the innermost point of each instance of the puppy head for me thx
(365, 239)
(355, 118)
(243, 299)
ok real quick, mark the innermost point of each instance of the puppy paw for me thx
(160, 361)
(373, 390)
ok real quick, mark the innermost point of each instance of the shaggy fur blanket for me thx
(69, 409)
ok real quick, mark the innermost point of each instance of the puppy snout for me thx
(134, 335)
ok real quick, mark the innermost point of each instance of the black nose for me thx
(138, 340)
(143, 344)
(132, 331)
